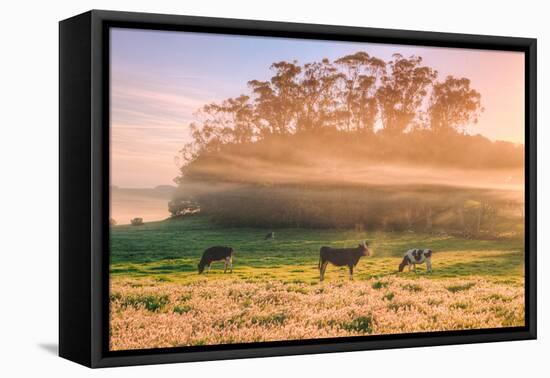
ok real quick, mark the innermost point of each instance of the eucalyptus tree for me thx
(402, 92)
(453, 105)
(361, 72)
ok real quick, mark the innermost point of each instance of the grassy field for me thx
(159, 300)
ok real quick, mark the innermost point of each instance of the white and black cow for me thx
(416, 256)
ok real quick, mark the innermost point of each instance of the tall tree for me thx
(231, 121)
(402, 92)
(453, 104)
(361, 72)
(275, 100)
(317, 96)
(235, 115)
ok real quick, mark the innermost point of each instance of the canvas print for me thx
(273, 189)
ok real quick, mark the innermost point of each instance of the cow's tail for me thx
(319, 266)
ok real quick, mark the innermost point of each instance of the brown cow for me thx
(342, 257)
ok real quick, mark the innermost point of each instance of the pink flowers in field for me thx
(148, 314)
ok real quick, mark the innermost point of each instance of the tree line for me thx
(357, 93)
(466, 212)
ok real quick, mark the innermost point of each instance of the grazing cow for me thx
(217, 254)
(342, 257)
(417, 256)
(270, 236)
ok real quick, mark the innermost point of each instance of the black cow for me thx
(217, 254)
(342, 257)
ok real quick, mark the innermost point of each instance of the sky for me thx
(159, 79)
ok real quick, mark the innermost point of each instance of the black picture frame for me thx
(84, 187)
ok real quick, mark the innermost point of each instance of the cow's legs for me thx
(350, 272)
(323, 269)
(414, 268)
(225, 265)
(209, 267)
(230, 264)
(429, 264)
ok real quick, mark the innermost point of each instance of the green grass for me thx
(456, 288)
(412, 287)
(379, 285)
(182, 309)
(168, 251)
(360, 324)
(151, 303)
(270, 320)
(389, 296)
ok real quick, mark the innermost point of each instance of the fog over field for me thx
(336, 171)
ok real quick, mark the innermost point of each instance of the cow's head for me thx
(404, 263)
(201, 267)
(427, 253)
(364, 247)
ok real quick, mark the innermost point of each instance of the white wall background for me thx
(29, 186)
